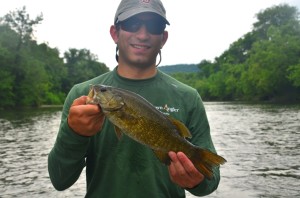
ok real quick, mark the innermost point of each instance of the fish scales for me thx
(136, 117)
(143, 123)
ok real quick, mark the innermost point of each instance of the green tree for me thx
(55, 69)
(270, 58)
(207, 68)
(19, 21)
(294, 74)
(263, 64)
(34, 84)
(81, 66)
(6, 78)
(26, 74)
(276, 16)
(33, 74)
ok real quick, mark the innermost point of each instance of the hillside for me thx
(180, 68)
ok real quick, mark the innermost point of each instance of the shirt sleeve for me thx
(200, 130)
(67, 158)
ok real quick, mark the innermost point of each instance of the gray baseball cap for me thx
(129, 8)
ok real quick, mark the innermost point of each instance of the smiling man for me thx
(124, 168)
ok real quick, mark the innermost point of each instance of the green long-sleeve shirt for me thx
(124, 168)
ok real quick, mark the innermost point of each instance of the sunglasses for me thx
(153, 26)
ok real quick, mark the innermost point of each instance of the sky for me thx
(199, 29)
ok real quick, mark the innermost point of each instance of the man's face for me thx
(139, 40)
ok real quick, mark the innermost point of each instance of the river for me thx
(261, 143)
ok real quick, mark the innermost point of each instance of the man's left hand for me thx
(183, 172)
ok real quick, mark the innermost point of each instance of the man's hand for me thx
(85, 119)
(183, 172)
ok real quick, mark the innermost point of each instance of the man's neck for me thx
(136, 72)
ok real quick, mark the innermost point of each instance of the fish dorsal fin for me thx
(182, 129)
(118, 132)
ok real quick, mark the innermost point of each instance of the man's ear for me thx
(114, 33)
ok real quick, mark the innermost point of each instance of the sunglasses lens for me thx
(131, 25)
(153, 26)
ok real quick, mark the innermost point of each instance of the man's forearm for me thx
(67, 158)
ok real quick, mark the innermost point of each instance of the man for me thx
(125, 168)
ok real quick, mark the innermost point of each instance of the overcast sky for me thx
(199, 29)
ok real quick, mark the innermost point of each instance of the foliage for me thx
(81, 65)
(264, 64)
(34, 74)
(294, 74)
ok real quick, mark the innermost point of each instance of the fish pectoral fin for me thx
(163, 157)
(118, 132)
(182, 129)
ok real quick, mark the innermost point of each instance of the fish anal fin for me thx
(118, 132)
(182, 129)
(163, 157)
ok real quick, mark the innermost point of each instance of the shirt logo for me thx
(167, 110)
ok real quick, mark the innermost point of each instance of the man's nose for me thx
(143, 32)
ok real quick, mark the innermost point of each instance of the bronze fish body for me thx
(140, 120)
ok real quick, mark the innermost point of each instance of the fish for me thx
(133, 115)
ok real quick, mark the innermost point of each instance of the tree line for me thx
(33, 74)
(262, 65)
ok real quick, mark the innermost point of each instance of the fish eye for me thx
(103, 89)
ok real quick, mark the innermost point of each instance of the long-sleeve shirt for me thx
(125, 168)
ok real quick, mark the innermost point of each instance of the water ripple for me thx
(260, 142)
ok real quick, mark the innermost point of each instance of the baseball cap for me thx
(129, 8)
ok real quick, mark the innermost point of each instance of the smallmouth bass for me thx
(137, 118)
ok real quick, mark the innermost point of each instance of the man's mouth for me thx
(141, 46)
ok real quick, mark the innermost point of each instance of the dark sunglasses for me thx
(153, 26)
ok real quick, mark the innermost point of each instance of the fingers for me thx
(172, 168)
(177, 167)
(79, 101)
(188, 166)
(85, 119)
(79, 104)
(182, 164)
(183, 172)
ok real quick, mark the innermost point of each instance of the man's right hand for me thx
(85, 119)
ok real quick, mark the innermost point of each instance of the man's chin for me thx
(142, 64)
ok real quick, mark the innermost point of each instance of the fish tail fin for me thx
(204, 160)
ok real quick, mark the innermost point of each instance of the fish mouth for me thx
(91, 97)
(107, 100)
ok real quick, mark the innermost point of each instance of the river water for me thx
(261, 143)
